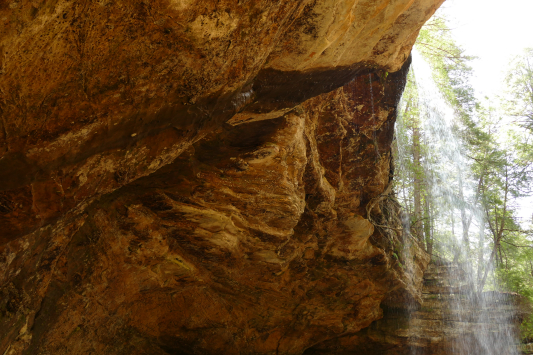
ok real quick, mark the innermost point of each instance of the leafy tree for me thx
(518, 104)
(479, 192)
(450, 65)
(419, 156)
(519, 82)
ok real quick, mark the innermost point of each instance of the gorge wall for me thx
(200, 177)
(452, 319)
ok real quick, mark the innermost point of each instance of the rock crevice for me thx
(200, 177)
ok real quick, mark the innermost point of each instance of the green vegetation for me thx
(467, 210)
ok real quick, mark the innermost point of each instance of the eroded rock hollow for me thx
(200, 177)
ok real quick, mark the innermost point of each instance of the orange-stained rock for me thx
(256, 239)
(97, 94)
(199, 177)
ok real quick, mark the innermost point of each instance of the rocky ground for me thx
(452, 319)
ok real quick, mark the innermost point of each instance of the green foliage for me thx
(519, 104)
(519, 82)
(450, 66)
(526, 329)
(414, 155)
(500, 168)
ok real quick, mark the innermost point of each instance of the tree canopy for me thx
(463, 166)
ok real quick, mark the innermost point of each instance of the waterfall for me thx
(483, 322)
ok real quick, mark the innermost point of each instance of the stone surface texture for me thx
(200, 177)
(452, 319)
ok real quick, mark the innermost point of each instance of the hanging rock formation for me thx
(200, 177)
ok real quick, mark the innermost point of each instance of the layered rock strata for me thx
(96, 94)
(182, 177)
(255, 240)
(452, 319)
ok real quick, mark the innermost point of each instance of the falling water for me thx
(481, 322)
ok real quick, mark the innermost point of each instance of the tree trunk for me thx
(427, 226)
(480, 252)
(464, 220)
(417, 185)
(497, 229)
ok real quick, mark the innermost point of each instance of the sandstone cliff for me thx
(452, 319)
(200, 176)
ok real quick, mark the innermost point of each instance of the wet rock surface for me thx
(256, 239)
(182, 177)
(452, 319)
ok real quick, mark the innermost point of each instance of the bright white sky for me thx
(495, 31)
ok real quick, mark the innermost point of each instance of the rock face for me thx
(451, 320)
(200, 177)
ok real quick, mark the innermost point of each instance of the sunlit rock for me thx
(199, 177)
